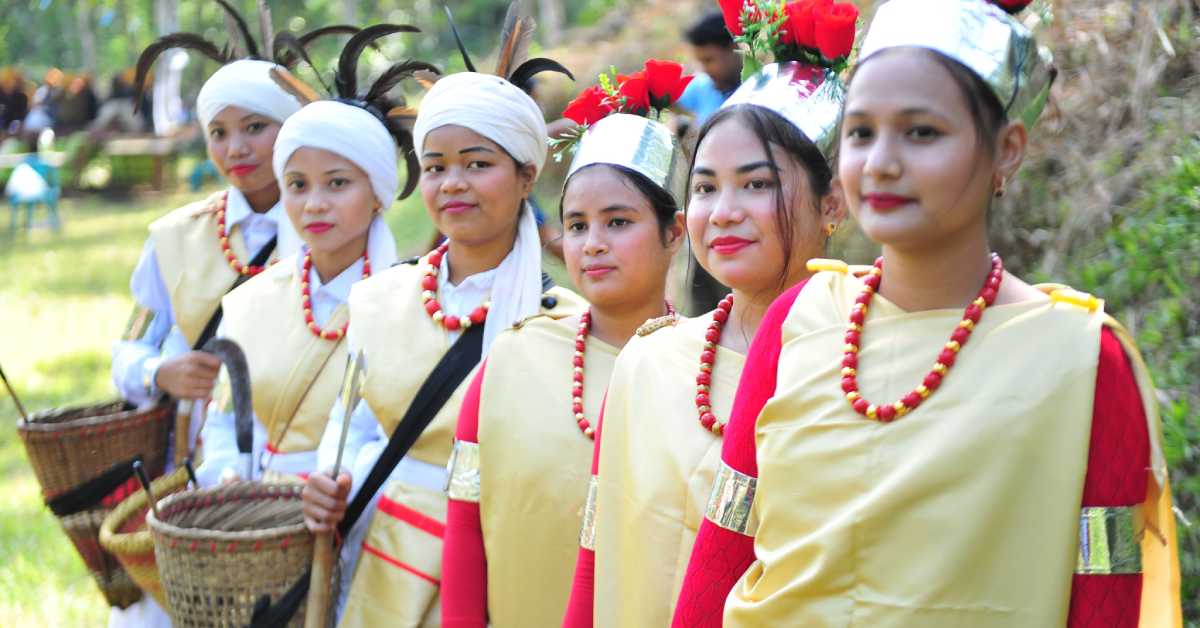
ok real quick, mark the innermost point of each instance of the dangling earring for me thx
(829, 229)
(999, 191)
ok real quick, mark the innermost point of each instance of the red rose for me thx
(665, 82)
(835, 25)
(731, 10)
(588, 107)
(1012, 6)
(799, 29)
(635, 89)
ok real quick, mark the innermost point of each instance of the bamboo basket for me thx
(124, 534)
(68, 447)
(220, 550)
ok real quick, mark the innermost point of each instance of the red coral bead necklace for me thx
(585, 325)
(429, 286)
(306, 300)
(223, 238)
(945, 360)
(708, 357)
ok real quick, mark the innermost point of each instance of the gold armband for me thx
(731, 504)
(1108, 541)
(587, 531)
(462, 472)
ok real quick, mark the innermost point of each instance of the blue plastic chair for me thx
(49, 198)
(203, 170)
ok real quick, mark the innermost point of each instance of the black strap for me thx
(93, 491)
(210, 328)
(446, 377)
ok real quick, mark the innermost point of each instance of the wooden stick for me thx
(316, 612)
(183, 429)
(12, 393)
(144, 478)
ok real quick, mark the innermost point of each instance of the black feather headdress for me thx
(285, 48)
(513, 62)
(397, 117)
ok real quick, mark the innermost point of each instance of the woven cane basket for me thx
(67, 447)
(219, 550)
(124, 534)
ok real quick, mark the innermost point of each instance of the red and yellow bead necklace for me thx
(585, 325)
(306, 300)
(708, 357)
(429, 283)
(223, 236)
(945, 360)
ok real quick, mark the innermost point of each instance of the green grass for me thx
(63, 299)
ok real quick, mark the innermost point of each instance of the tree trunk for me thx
(166, 103)
(87, 35)
(550, 22)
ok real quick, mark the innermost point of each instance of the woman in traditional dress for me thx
(198, 252)
(761, 203)
(337, 162)
(861, 487)
(523, 453)
(481, 142)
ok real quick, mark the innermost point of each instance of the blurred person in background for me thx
(14, 102)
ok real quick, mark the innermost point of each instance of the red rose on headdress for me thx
(1012, 6)
(731, 10)
(799, 29)
(589, 106)
(636, 91)
(665, 82)
(835, 25)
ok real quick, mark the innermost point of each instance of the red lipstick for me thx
(729, 245)
(242, 170)
(887, 201)
(597, 271)
(318, 227)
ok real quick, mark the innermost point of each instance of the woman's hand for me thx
(325, 501)
(189, 375)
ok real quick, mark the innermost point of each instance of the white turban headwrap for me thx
(357, 136)
(246, 84)
(501, 112)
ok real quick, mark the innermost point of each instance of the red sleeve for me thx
(464, 560)
(721, 556)
(583, 589)
(1118, 459)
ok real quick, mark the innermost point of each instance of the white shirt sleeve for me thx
(135, 362)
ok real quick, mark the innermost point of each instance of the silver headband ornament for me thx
(978, 34)
(640, 144)
(809, 97)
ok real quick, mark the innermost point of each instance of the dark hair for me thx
(771, 128)
(661, 202)
(709, 30)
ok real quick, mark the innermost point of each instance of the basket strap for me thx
(445, 378)
(90, 493)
